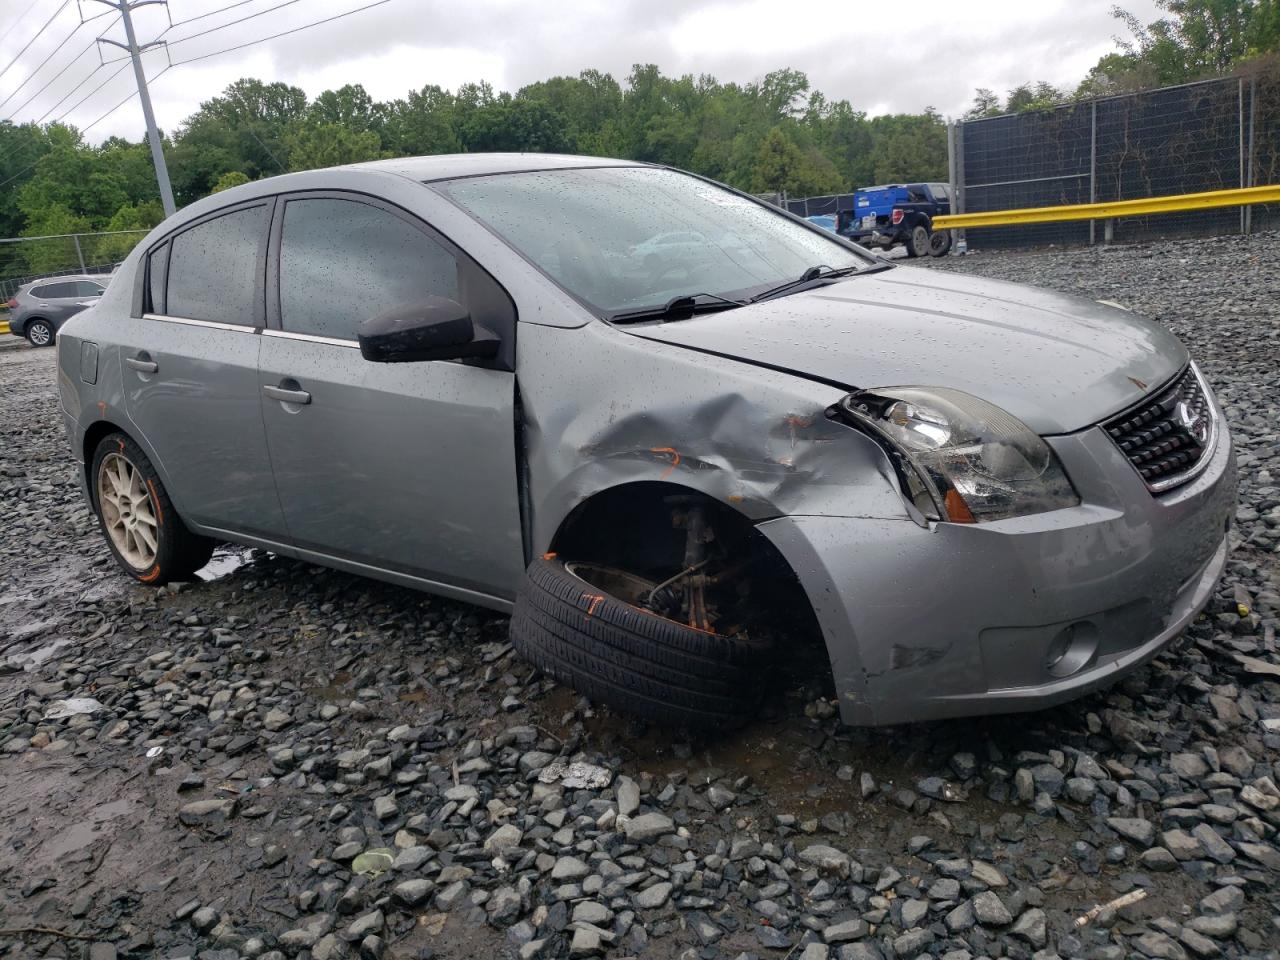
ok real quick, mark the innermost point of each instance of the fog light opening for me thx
(1072, 649)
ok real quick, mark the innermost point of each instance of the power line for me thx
(73, 91)
(54, 79)
(211, 13)
(232, 23)
(221, 26)
(30, 76)
(275, 36)
(28, 44)
(132, 94)
(14, 26)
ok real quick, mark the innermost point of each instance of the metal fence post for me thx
(958, 197)
(1240, 142)
(1093, 164)
(79, 252)
(1253, 116)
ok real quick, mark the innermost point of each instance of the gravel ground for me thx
(282, 760)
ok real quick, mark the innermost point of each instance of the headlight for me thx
(969, 460)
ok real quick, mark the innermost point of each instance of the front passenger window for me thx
(343, 261)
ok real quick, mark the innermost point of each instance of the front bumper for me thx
(957, 619)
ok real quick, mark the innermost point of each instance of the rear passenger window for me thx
(342, 261)
(40, 292)
(59, 291)
(213, 269)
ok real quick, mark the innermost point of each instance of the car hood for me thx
(1058, 363)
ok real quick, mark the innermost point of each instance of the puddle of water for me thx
(29, 661)
(225, 561)
(109, 811)
(75, 837)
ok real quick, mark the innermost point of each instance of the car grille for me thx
(1168, 435)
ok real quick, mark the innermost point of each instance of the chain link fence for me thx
(1211, 135)
(23, 259)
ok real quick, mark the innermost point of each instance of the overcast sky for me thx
(883, 57)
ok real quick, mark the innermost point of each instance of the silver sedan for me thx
(675, 469)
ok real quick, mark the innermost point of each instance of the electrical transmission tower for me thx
(135, 52)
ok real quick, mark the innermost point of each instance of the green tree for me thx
(314, 145)
(232, 178)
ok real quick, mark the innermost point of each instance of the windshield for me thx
(628, 238)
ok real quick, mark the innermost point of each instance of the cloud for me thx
(934, 53)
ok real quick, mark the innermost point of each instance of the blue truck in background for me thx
(899, 214)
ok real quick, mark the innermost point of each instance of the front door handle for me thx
(143, 363)
(287, 395)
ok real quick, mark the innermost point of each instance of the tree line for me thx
(773, 135)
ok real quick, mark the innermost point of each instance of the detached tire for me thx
(634, 660)
(918, 241)
(142, 529)
(940, 243)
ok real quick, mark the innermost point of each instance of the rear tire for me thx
(142, 529)
(39, 333)
(918, 241)
(632, 659)
(940, 243)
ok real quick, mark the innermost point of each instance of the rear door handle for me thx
(286, 395)
(143, 363)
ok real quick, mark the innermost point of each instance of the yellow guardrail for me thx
(4, 326)
(1111, 209)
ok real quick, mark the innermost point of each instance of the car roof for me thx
(451, 165)
(101, 278)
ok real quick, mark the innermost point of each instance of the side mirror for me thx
(433, 329)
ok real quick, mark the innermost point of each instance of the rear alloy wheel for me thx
(39, 333)
(918, 241)
(144, 532)
(940, 243)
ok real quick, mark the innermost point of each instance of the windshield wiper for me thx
(817, 272)
(679, 308)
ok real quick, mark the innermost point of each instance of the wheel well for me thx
(92, 437)
(632, 527)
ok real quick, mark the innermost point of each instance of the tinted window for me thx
(87, 288)
(916, 195)
(342, 262)
(213, 269)
(157, 267)
(57, 291)
(39, 292)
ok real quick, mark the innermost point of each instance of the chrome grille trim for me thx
(1155, 435)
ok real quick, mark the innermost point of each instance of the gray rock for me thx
(648, 826)
(1160, 945)
(308, 933)
(653, 897)
(1032, 927)
(411, 893)
(1223, 900)
(846, 931)
(628, 796)
(825, 859)
(504, 906)
(912, 942)
(1134, 828)
(569, 868)
(504, 840)
(990, 910)
(203, 812)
